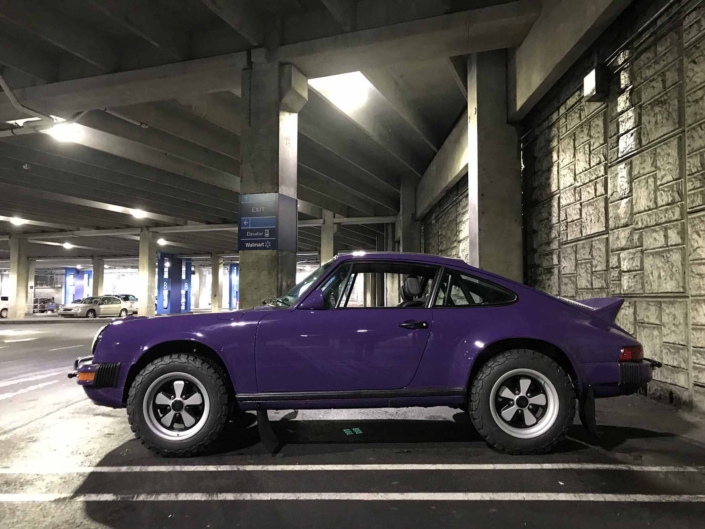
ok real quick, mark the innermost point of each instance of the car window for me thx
(133, 298)
(462, 290)
(333, 287)
(385, 285)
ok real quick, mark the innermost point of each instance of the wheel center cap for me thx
(177, 405)
(522, 402)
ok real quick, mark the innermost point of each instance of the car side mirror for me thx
(314, 301)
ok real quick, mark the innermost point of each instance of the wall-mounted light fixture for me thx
(596, 85)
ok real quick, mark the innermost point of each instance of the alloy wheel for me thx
(524, 403)
(176, 406)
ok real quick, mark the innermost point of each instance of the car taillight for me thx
(631, 353)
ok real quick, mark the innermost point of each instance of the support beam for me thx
(52, 26)
(242, 16)
(327, 237)
(157, 83)
(459, 70)
(365, 118)
(153, 147)
(488, 28)
(494, 170)
(145, 20)
(321, 184)
(98, 276)
(563, 32)
(19, 278)
(223, 109)
(344, 11)
(216, 286)
(147, 273)
(177, 121)
(26, 60)
(394, 91)
(446, 169)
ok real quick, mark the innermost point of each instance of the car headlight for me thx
(77, 309)
(97, 337)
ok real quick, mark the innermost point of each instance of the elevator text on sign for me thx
(262, 217)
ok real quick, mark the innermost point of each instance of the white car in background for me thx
(4, 306)
(129, 302)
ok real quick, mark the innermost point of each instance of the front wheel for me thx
(522, 402)
(90, 314)
(178, 405)
(3, 313)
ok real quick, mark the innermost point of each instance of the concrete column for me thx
(176, 271)
(272, 96)
(327, 236)
(98, 276)
(31, 273)
(19, 277)
(410, 228)
(216, 287)
(198, 288)
(147, 273)
(494, 170)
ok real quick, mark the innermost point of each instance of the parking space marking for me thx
(32, 378)
(64, 348)
(357, 496)
(344, 468)
(5, 396)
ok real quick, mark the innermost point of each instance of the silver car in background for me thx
(96, 307)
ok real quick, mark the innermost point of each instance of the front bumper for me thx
(97, 375)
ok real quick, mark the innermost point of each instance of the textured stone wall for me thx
(615, 191)
(445, 227)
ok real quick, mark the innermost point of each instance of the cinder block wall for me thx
(615, 191)
(446, 227)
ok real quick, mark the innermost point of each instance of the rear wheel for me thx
(178, 405)
(3, 313)
(123, 313)
(522, 402)
(90, 314)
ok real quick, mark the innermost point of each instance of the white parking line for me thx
(344, 468)
(360, 496)
(5, 396)
(40, 376)
(63, 348)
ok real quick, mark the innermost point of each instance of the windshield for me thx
(87, 301)
(295, 293)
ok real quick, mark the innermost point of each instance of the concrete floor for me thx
(53, 441)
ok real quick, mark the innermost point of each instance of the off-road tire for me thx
(479, 402)
(210, 375)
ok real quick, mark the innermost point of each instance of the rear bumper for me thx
(611, 379)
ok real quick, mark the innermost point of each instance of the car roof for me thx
(407, 256)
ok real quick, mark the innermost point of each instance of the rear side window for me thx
(462, 290)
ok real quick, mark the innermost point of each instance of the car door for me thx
(371, 336)
(467, 311)
(109, 306)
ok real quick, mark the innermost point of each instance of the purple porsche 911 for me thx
(372, 330)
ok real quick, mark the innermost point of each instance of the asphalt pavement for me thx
(65, 462)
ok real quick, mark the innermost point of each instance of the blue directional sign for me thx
(266, 221)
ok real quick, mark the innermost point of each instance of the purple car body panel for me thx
(283, 357)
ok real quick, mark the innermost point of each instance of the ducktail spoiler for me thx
(605, 308)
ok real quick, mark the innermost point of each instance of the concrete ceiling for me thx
(160, 81)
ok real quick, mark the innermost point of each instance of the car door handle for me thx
(412, 324)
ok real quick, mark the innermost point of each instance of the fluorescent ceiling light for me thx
(139, 214)
(161, 242)
(67, 245)
(78, 267)
(348, 91)
(17, 221)
(65, 132)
